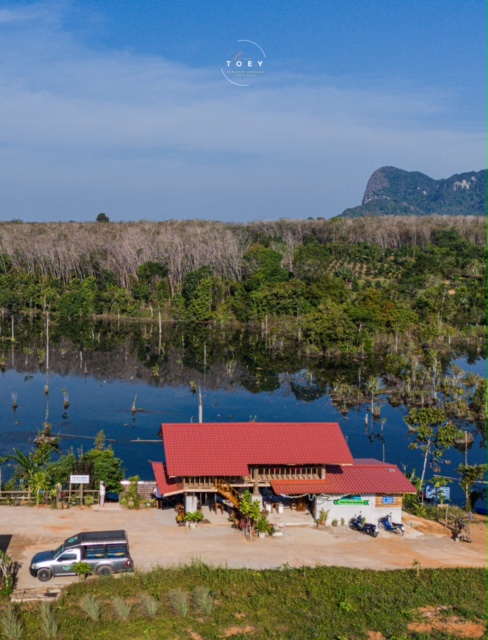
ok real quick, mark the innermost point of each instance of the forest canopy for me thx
(342, 280)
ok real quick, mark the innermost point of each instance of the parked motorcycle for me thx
(393, 527)
(358, 524)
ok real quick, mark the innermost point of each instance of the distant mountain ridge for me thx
(394, 192)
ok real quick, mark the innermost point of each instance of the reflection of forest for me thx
(214, 357)
(191, 356)
(423, 380)
(221, 358)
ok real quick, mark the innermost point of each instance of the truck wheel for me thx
(44, 575)
(104, 571)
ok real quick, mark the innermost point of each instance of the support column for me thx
(256, 496)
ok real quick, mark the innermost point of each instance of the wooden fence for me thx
(71, 496)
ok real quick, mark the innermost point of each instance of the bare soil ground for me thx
(156, 540)
(438, 619)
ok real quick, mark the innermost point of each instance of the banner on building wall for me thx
(352, 500)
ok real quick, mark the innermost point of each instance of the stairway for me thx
(227, 492)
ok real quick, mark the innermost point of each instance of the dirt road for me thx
(156, 540)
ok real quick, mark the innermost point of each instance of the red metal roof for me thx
(166, 486)
(368, 476)
(227, 449)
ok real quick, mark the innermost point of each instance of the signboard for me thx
(433, 493)
(354, 500)
(388, 500)
(79, 479)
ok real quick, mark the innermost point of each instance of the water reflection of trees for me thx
(222, 357)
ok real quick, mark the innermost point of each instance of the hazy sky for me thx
(134, 108)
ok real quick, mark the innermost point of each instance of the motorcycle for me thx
(358, 524)
(393, 527)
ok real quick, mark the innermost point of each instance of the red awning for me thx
(299, 487)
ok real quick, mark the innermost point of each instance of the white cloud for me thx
(132, 135)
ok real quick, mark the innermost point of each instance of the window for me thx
(68, 556)
(94, 552)
(116, 550)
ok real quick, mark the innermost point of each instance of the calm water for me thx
(103, 384)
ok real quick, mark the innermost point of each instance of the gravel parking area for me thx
(156, 540)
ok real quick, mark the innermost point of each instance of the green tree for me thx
(431, 432)
(39, 483)
(192, 280)
(469, 476)
(264, 266)
(103, 217)
(27, 465)
(330, 328)
(249, 507)
(106, 467)
(311, 262)
(100, 440)
(200, 306)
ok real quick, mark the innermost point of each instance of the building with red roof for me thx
(303, 464)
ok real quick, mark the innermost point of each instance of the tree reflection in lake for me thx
(245, 374)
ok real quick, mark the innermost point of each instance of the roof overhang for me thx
(166, 486)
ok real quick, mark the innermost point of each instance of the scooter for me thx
(357, 524)
(393, 527)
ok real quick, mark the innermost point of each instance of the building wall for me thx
(377, 506)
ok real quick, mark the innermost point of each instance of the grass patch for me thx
(203, 600)
(122, 608)
(49, 623)
(150, 605)
(179, 602)
(11, 624)
(90, 605)
(295, 604)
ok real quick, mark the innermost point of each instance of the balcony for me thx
(207, 483)
(268, 474)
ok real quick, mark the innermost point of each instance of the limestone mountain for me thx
(394, 192)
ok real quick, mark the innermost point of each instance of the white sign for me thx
(431, 493)
(79, 479)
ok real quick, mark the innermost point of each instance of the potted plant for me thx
(335, 522)
(193, 517)
(322, 519)
(343, 522)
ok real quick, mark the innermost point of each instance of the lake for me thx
(104, 374)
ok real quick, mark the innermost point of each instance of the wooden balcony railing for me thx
(266, 474)
(206, 483)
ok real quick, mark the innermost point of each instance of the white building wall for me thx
(347, 511)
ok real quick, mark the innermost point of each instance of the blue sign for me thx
(388, 500)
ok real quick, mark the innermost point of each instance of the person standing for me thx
(102, 493)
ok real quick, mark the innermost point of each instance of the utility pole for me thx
(47, 341)
(200, 406)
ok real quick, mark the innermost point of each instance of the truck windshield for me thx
(59, 550)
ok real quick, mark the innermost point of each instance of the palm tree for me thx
(28, 465)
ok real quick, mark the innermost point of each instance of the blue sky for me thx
(123, 107)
